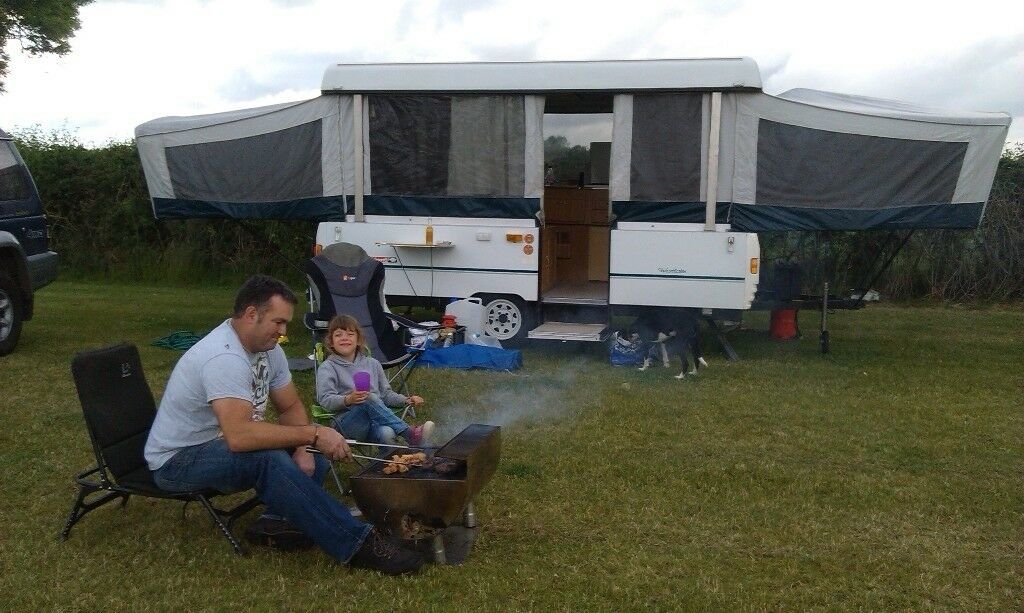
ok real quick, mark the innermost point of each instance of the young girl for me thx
(362, 415)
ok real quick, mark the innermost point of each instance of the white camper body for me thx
(700, 159)
(570, 253)
(641, 264)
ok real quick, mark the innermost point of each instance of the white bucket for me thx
(469, 313)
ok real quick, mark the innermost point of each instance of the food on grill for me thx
(443, 467)
(401, 463)
(411, 458)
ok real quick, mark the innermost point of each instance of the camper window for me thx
(798, 166)
(665, 161)
(447, 145)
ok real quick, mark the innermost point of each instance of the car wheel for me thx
(10, 314)
(507, 319)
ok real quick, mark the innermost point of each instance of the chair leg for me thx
(215, 514)
(241, 509)
(82, 507)
(400, 380)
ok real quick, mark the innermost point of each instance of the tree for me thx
(568, 162)
(40, 26)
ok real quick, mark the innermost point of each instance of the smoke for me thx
(537, 397)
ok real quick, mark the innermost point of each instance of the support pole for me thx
(823, 339)
(357, 120)
(713, 137)
(727, 347)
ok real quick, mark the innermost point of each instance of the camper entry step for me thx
(563, 331)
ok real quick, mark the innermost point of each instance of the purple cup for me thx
(362, 380)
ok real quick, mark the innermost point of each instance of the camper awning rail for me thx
(719, 74)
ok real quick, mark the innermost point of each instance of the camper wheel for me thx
(507, 318)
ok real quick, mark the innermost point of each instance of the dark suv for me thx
(26, 264)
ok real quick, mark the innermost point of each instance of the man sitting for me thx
(210, 431)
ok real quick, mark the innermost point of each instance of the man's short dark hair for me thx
(258, 290)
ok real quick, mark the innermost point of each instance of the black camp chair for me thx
(119, 411)
(343, 279)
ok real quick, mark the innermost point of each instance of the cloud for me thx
(287, 71)
(986, 76)
(134, 60)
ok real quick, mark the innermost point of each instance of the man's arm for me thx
(291, 412)
(243, 434)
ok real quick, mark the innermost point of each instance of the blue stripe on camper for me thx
(666, 212)
(451, 206)
(327, 208)
(767, 218)
(623, 275)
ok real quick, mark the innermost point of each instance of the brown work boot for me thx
(384, 555)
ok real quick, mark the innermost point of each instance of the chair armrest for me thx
(322, 415)
(408, 323)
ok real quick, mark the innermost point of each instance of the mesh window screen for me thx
(282, 165)
(410, 137)
(812, 168)
(487, 146)
(447, 145)
(665, 159)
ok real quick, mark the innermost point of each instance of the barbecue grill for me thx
(425, 500)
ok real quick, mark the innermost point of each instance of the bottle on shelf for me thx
(430, 233)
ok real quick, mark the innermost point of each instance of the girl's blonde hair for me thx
(345, 322)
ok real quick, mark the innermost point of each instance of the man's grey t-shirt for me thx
(215, 367)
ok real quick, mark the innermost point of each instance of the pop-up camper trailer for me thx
(437, 170)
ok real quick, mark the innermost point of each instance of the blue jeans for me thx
(278, 482)
(370, 422)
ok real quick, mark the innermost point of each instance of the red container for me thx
(783, 326)
(448, 321)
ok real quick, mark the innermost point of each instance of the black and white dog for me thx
(680, 337)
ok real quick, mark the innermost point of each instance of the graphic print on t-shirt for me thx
(260, 386)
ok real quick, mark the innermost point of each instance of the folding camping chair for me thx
(344, 279)
(119, 410)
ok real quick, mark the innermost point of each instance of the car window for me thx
(13, 183)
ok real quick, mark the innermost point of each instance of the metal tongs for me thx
(311, 449)
(355, 442)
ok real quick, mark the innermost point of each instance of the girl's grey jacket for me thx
(334, 381)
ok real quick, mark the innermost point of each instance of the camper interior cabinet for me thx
(575, 241)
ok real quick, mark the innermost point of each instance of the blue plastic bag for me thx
(626, 351)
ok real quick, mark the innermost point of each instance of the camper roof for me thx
(738, 73)
(895, 109)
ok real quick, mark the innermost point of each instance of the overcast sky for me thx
(135, 60)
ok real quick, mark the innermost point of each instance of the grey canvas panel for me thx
(665, 157)
(281, 165)
(487, 156)
(806, 167)
(410, 137)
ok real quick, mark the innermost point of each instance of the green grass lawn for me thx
(885, 475)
